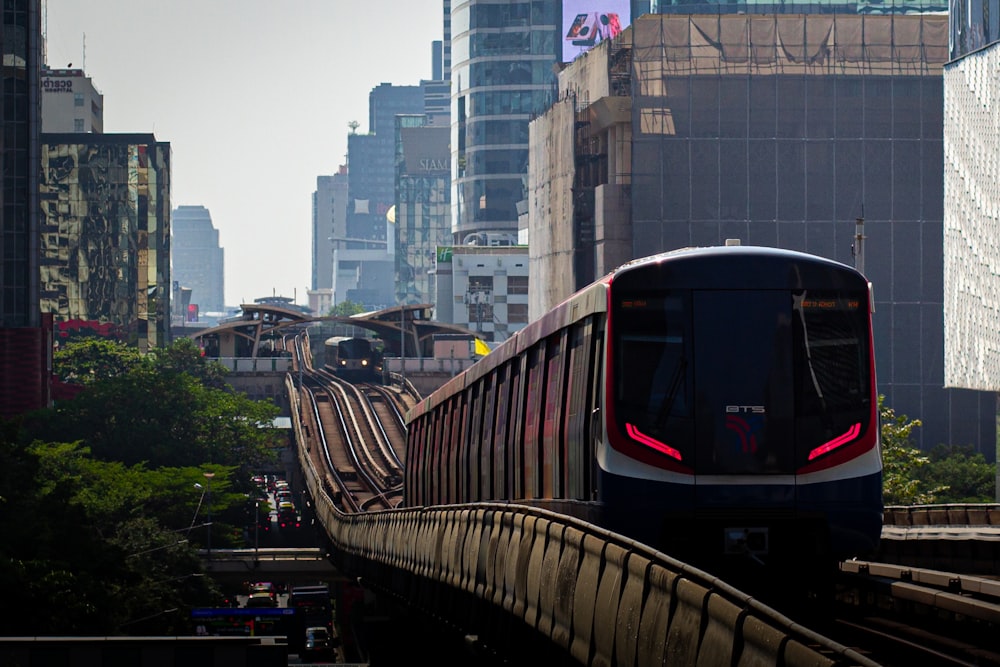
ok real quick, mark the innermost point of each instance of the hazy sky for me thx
(254, 96)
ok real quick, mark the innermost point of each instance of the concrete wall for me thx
(551, 172)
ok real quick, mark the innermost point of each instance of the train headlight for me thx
(364, 362)
(343, 362)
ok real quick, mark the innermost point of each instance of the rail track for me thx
(903, 616)
(347, 441)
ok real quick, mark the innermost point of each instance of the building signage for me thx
(587, 23)
(430, 164)
(426, 150)
(57, 85)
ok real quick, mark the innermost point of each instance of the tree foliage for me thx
(900, 460)
(170, 408)
(87, 550)
(959, 475)
(346, 309)
(87, 360)
(104, 498)
(946, 474)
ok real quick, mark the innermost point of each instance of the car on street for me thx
(318, 645)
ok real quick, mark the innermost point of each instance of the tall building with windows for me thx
(329, 224)
(502, 74)
(70, 102)
(25, 333)
(421, 215)
(105, 234)
(365, 250)
(197, 261)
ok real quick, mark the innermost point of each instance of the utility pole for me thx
(402, 343)
(858, 248)
(208, 542)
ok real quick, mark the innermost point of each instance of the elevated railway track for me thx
(523, 584)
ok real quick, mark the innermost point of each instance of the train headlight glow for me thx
(851, 434)
(343, 362)
(364, 362)
(661, 447)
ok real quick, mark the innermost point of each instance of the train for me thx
(718, 404)
(354, 358)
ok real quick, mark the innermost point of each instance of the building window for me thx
(517, 284)
(78, 99)
(517, 313)
(78, 125)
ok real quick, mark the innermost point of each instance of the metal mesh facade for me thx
(972, 221)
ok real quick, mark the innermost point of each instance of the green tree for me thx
(901, 461)
(87, 360)
(164, 411)
(959, 474)
(346, 309)
(85, 551)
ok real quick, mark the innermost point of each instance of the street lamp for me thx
(208, 476)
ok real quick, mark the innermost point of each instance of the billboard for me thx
(587, 23)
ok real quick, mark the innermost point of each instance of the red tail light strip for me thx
(851, 434)
(638, 436)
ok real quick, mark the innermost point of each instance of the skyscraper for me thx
(365, 249)
(197, 259)
(420, 218)
(106, 233)
(25, 334)
(502, 58)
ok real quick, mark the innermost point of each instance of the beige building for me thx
(70, 102)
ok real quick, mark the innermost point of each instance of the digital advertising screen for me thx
(587, 23)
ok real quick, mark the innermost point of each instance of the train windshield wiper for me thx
(675, 384)
(797, 306)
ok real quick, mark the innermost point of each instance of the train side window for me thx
(513, 486)
(460, 447)
(447, 454)
(553, 456)
(577, 411)
(475, 440)
(489, 446)
(533, 421)
(499, 466)
(435, 456)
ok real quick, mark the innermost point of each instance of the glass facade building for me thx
(421, 216)
(502, 57)
(105, 233)
(198, 262)
(25, 332)
(21, 118)
(974, 24)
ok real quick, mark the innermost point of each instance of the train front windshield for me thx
(740, 381)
